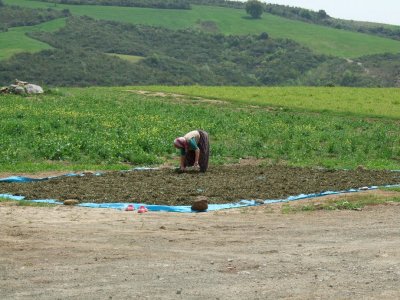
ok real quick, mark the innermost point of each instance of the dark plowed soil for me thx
(220, 184)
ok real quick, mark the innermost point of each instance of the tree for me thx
(305, 14)
(254, 8)
(322, 14)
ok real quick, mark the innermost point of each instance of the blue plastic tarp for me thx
(167, 208)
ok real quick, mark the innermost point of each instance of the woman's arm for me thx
(182, 163)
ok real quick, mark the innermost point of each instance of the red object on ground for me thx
(142, 209)
(130, 207)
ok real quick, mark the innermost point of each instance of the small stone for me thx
(87, 173)
(71, 202)
(200, 204)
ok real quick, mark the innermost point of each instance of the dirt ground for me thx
(69, 252)
(65, 252)
(221, 184)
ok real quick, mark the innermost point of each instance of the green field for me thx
(368, 102)
(115, 128)
(15, 40)
(233, 21)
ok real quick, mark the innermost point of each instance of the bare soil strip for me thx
(222, 184)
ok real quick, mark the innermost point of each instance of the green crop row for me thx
(113, 126)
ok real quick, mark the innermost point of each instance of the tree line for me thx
(14, 16)
(170, 4)
(163, 4)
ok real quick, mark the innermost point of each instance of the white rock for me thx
(33, 89)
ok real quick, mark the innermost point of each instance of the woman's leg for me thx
(204, 147)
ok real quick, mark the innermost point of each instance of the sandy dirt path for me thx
(252, 253)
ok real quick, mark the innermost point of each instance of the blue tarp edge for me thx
(211, 207)
(167, 208)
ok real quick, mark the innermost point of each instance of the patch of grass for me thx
(367, 102)
(348, 203)
(391, 189)
(15, 39)
(34, 204)
(5, 199)
(25, 203)
(130, 58)
(330, 41)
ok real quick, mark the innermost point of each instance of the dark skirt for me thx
(204, 147)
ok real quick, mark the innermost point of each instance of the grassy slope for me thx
(232, 21)
(368, 102)
(15, 40)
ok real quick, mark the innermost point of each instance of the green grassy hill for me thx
(320, 39)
